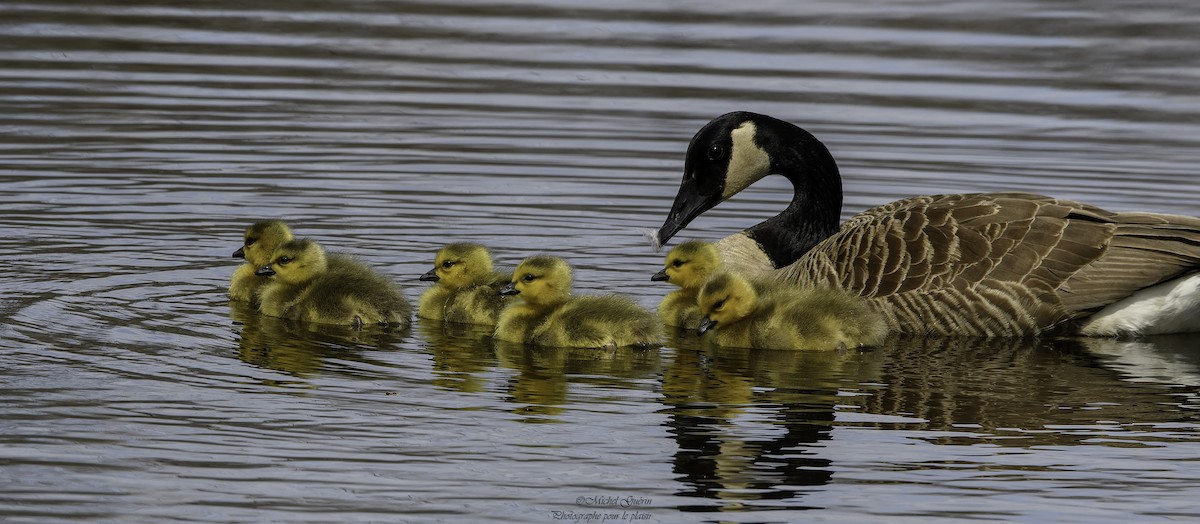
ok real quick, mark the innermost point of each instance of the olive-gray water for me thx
(140, 138)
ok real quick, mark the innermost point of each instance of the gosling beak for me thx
(430, 276)
(510, 289)
(705, 325)
(661, 276)
(265, 271)
(240, 253)
(689, 204)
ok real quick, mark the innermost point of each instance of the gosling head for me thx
(724, 300)
(261, 240)
(459, 265)
(540, 280)
(690, 264)
(296, 261)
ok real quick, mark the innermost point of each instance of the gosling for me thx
(548, 315)
(259, 242)
(688, 266)
(466, 289)
(786, 318)
(309, 286)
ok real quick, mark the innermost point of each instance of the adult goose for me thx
(985, 264)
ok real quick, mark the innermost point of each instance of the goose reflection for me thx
(541, 386)
(1024, 392)
(750, 424)
(299, 349)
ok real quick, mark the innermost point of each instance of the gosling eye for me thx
(716, 152)
(677, 263)
(283, 261)
(720, 304)
(447, 264)
(251, 241)
(528, 277)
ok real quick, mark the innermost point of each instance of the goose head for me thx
(540, 280)
(260, 241)
(724, 300)
(296, 262)
(458, 265)
(738, 149)
(690, 264)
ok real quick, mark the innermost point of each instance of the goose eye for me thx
(447, 264)
(716, 152)
(720, 304)
(283, 261)
(677, 263)
(251, 241)
(528, 278)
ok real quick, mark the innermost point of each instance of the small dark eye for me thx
(251, 241)
(447, 264)
(528, 278)
(720, 304)
(677, 263)
(716, 152)
(283, 261)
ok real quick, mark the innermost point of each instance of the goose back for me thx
(997, 264)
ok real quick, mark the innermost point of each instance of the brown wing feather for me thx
(997, 263)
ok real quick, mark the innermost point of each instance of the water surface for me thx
(140, 138)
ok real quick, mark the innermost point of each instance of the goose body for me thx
(308, 285)
(466, 288)
(547, 314)
(786, 317)
(258, 243)
(986, 264)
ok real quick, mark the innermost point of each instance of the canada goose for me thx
(546, 314)
(466, 289)
(786, 318)
(309, 286)
(259, 241)
(988, 264)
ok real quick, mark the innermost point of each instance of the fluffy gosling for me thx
(309, 286)
(466, 289)
(786, 318)
(548, 315)
(688, 266)
(259, 242)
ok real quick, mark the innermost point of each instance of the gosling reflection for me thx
(541, 386)
(749, 423)
(299, 349)
(462, 354)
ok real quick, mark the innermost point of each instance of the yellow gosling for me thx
(688, 266)
(786, 318)
(309, 286)
(259, 242)
(546, 313)
(466, 289)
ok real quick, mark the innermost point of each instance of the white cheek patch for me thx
(747, 162)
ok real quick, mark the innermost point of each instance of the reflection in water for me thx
(141, 137)
(544, 375)
(748, 423)
(299, 349)
(461, 354)
(1025, 392)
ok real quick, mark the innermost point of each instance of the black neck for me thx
(815, 210)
